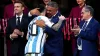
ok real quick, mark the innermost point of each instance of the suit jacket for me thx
(18, 44)
(9, 11)
(89, 38)
(54, 42)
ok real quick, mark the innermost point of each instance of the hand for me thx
(76, 31)
(40, 23)
(34, 11)
(13, 35)
(62, 17)
(18, 32)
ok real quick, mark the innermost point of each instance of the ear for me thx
(89, 13)
(22, 8)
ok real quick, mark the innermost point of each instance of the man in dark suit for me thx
(54, 42)
(9, 10)
(17, 29)
(87, 34)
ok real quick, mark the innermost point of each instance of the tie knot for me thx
(18, 18)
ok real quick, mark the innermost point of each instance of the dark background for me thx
(65, 8)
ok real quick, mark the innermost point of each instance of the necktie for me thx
(18, 22)
(83, 28)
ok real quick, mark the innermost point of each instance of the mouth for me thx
(78, 1)
(46, 1)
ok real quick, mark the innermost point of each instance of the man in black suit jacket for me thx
(17, 29)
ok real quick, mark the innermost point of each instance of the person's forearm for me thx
(57, 25)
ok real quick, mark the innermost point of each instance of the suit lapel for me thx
(81, 23)
(14, 21)
(90, 23)
(55, 18)
(22, 20)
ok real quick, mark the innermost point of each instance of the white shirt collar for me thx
(88, 20)
(55, 14)
(20, 16)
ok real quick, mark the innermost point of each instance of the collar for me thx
(19, 16)
(88, 20)
(55, 14)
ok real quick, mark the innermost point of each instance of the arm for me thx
(52, 25)
(48, 29)
(52, 31)
(10, 32)
(57, 25)
(33, 12)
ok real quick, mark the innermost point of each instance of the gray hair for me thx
(52, 4)
(89, 9)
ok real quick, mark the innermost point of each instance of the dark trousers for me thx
(67, 48)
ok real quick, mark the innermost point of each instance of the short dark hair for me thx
(19, 1)
(52, 4)
(89, 9)
(41, 8)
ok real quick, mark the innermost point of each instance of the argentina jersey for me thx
(36, 36)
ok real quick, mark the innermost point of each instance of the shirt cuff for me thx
(22, 34)
(29, 14)
(11, 37)
(78, 33)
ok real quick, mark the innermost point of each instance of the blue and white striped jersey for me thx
(36, 36)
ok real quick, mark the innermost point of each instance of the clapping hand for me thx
(76, 30)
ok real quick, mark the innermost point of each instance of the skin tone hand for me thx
(62, 17)
(35, 11)
(13, 35)
(16, 31)
(76, 30)
(40, 23)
